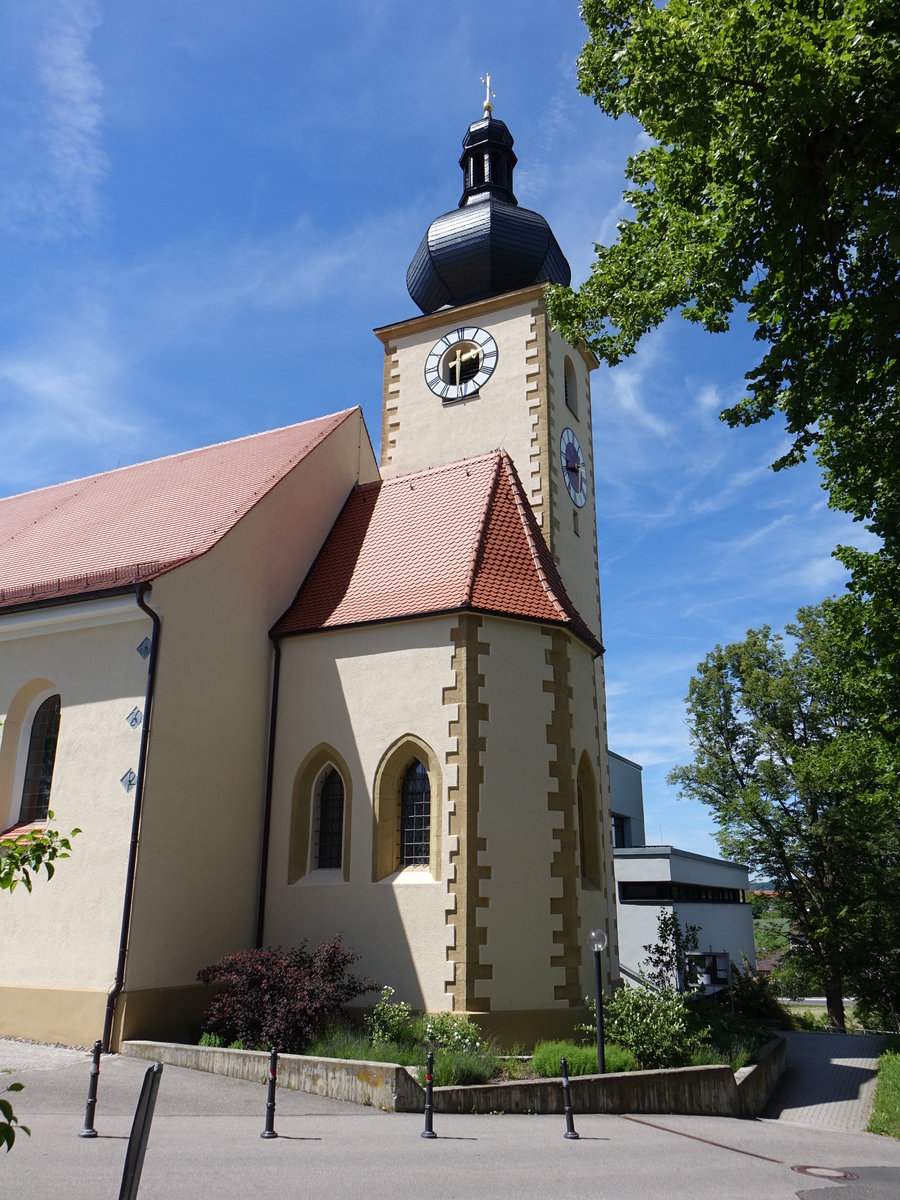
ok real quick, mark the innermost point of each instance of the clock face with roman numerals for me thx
(461, 363)
(574, 472)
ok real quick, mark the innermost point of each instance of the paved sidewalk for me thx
(829, 1082)
(205, 1145)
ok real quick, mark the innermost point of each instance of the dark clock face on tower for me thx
(574, 472)
(461, 363)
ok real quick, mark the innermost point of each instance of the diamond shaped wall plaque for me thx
(128, 780)
(144, 648)
(134, 718)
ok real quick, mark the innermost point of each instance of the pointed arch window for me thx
(40, 762)
(329, 816)
(321, 816)
(406, 826)
(415, 816)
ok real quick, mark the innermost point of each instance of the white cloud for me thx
(709, 398)
(54, 164)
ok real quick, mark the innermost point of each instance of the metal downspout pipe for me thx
(140, 591)
(267, 813)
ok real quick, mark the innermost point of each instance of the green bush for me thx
(707, 1056)
(754, 995)
(451, 1031)
(655, 1026)
(580, 1060)
(464, 1067)
(619, 1058)
(876, 1014)
(344, 1042)
(389, 1022)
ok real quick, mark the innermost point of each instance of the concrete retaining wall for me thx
(383, 1085)
(756, 1084)
(709, 1091)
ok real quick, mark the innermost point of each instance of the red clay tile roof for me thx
(462, 536)
(108, 531)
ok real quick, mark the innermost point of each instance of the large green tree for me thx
(796, 754)
(771, 182)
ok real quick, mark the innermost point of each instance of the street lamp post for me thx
(598, 941)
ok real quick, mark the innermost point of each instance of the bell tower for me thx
(482, 368)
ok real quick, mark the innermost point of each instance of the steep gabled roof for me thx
(108, 531)
(451, 538)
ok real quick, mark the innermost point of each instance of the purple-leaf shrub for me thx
(285, 999)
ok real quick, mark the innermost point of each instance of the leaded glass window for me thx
(330, 820)
(39, 766)
(415, 816)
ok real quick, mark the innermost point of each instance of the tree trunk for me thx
(834, 1000)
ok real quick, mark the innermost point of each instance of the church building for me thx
(287, 691)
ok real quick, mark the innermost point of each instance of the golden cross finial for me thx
(487, 106)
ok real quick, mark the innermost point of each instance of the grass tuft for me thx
(886, 1109)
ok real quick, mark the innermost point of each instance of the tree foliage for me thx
(667, 963)
(796, 754)
(24, 854)
(770, 180)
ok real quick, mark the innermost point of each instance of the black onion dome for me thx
(488, 245)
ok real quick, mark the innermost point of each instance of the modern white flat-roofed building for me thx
(710, 893)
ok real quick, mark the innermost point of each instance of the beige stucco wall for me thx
(64, 934)
(373, 686)
(575, 552)
(360, 690)
(515, 819)
(426, 432)
(197, 877)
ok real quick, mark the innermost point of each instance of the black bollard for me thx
(89, 1131)
(567, 1100)
(428, 1131)
(269, 1131)
(140, 1133)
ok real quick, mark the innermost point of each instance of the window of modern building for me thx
(328, 835)
(665, 891)
(40, 762)
(415, 816)
(619, 831)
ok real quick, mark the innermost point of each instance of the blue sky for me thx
(206, 208)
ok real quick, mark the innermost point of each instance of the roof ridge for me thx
(440, 468)
(481, 530)
(343, 413)
(524, 509)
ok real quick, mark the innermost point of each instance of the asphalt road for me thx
(205, 1143)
